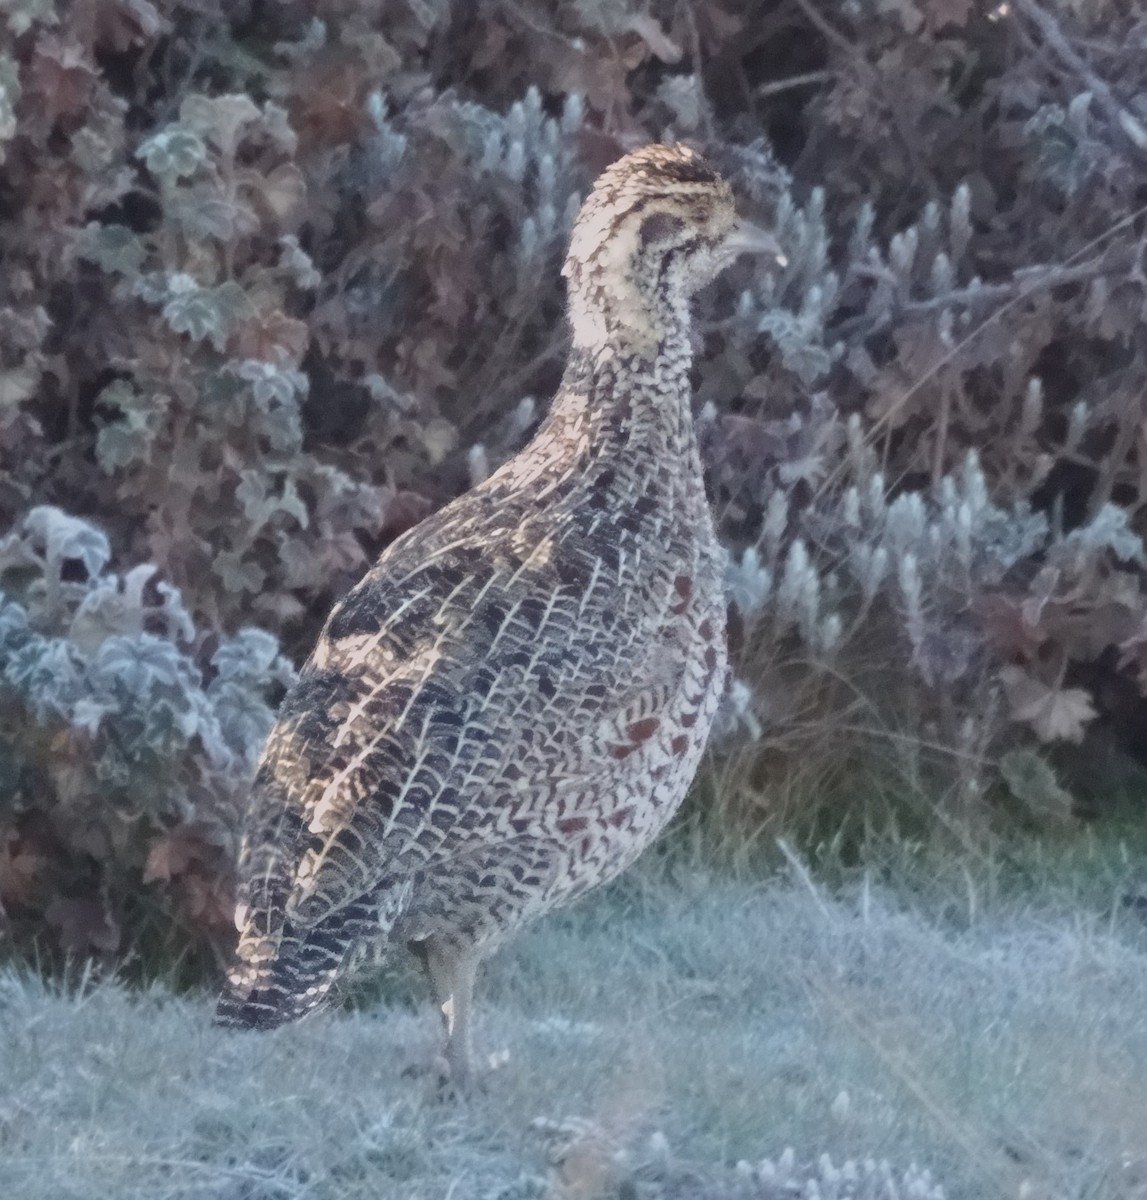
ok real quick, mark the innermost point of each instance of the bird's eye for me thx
(659, 227)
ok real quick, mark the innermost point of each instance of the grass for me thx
(688, 1021)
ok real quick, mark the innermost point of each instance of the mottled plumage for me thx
(510, 705)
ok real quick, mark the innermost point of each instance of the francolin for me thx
(511, 704)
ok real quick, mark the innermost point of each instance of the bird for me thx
(509, 706)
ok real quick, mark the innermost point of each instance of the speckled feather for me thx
(510, 705)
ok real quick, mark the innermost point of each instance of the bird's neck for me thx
(629, 398)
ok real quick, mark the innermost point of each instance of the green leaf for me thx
(18, 384)
(220, 119)
(112, 248)
(128, 438)
(272, 384)
(284, 428)
(207, 313)
(1033, 783)
(233, 304)
(237, 574)
(194, 313)
(14, 630)
(203, 212)
(292, 503)
(173, 153)
(24, 14)
(143, 662)
(224, 396)
(66, 537)
(259, 507)
(251, 652)
(119, 446)
(244, 717)
(48, 674)
(9, 98)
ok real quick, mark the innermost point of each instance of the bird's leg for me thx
(452, 973)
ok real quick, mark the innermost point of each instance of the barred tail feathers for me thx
(275, 985)
(285, 973)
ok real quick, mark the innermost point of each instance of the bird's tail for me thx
(261, 1008)
(284, 972)
(265, 999)
(277, 981)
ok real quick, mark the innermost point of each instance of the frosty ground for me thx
(676, 1025)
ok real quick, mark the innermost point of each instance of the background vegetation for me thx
(281, 278)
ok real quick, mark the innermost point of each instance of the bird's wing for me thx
(456, 679)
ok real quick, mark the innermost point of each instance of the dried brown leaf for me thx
(272, 337)
(21, 868)
(61, 77)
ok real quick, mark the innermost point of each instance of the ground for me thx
(650, 1040)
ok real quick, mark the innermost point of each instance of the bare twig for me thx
(1028, 283)
(829, 31)
(696, 56)
(794, 81)
(519, 14)
(1016, 292)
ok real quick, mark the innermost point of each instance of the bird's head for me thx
(659, 224)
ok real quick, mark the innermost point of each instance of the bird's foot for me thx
(447, 1082)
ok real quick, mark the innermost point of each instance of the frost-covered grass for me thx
(689, 1023)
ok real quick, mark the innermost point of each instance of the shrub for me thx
(280, 282)
(127, 743)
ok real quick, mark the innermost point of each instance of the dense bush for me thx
(121, 761)
(282, 278)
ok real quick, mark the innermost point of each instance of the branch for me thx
(794, 81)
(1057, 42)
(1027, 282)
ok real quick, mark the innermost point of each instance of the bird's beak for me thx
(748, 238)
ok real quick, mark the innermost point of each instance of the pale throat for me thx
(611, 312)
